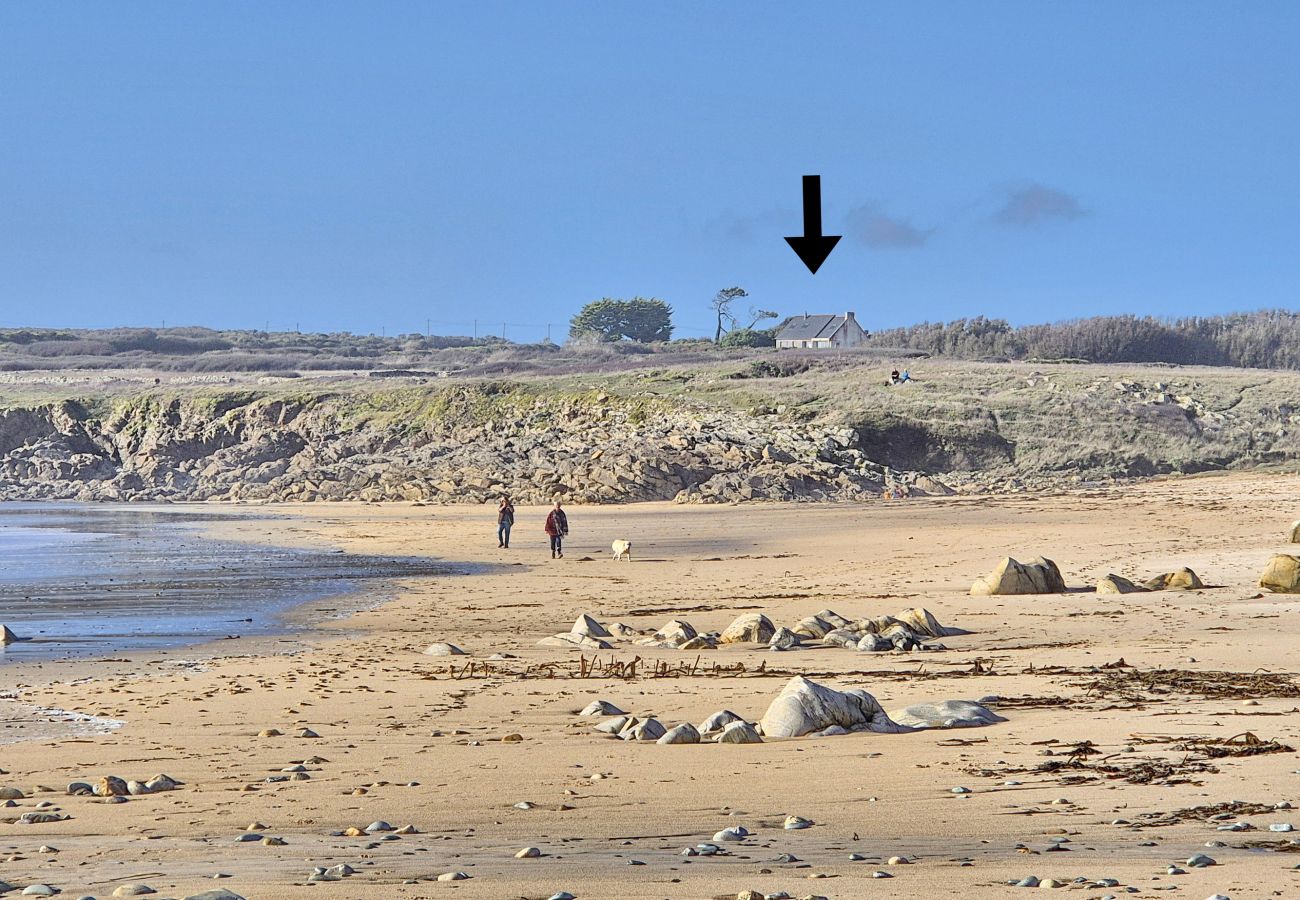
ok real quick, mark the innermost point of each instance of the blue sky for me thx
(371, 166)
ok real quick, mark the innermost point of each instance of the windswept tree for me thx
(639, 319)
(756, 316)
(721, 305)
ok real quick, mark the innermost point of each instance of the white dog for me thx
(622, 550)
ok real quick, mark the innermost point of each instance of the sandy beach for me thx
(412, 739)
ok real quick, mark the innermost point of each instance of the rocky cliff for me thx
(471, 442)
(460, 444)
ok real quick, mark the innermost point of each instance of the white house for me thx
(821, 332)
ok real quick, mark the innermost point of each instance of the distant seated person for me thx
(906, 376)
(893, 377)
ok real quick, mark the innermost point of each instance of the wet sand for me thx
(402, 738)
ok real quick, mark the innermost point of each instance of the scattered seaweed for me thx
(1244, 744)
(1232, 808)
(1139, 685)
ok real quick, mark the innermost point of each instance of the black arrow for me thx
(813, 247)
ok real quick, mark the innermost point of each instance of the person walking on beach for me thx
(505, 521)
(557, 526)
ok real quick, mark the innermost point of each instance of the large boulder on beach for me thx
(921, 621)
(1294, 536)
(806, 707)
(571, 641)
(676, 633)
(903, 638)
(1282, 574)
(1182, 580)
(601, 708)
(442, 648)
(750, 628)
(784, 639)
(1118, 584)
(6, 636)
(841, 637)
(1040, 576)
(110, 786)
(813, 627)
(874, 643)
(832, 618)
(739, 733)
(946, 714)
(643, 730)
(585, 624)
(685, 733)
(718, 721)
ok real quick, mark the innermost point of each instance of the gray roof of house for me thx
(806, 328)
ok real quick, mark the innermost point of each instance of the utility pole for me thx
(476, 329)
(503, 331)
(428, 329)
(548, 332)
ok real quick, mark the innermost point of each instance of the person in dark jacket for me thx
(557, 526)
(505, 521)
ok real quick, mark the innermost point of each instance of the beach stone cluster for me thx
(906, 631)
(113, 786)
(803, 707)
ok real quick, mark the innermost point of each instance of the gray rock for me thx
(739, 733)
(750, 628)
(570, 641)
(701, 642)
(442, 648)
(601, 708)
(840, 637)
(945, 714)
(729, 835)
(110, 786)
(874, 643)
(680, 734)
(784, 639)
(806, 707)
(616, 724)
(585, 624)
(718, 721)
(644, 730)
(812, 627)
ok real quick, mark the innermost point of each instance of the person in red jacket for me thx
(557, 526)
